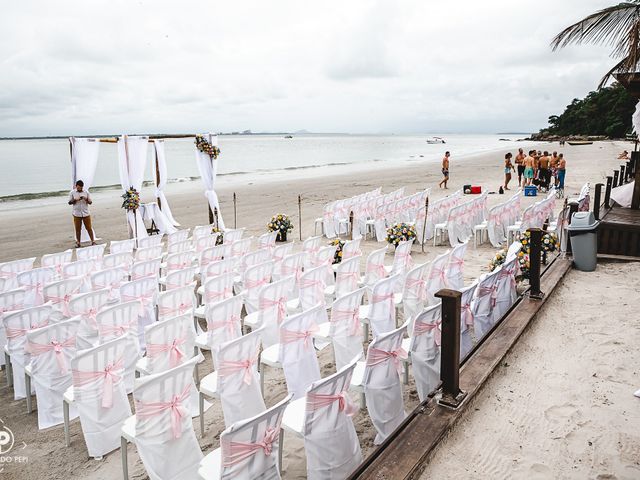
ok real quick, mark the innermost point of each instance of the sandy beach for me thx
(32, 229)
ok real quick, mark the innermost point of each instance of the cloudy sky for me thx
(405, 66)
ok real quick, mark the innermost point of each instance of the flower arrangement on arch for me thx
(337, 257)
(282, 224)
(131, 200)
(204, 146)
(400, 232)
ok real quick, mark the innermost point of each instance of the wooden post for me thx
(157, 176)
(622, 174)
(616, 174)
(628, 172)
(597, 199)
(452, 396)
(300, 216)
(211, 219)
(351, 225)
(235, 211)
(607, 192)
(424, 226)
(215, 218)
(535, 255)
(561, 221)
(635, 200)
(573, 208)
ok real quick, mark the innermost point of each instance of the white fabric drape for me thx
(84, 160)
(132, 159)
(635, 119)
(208, 168)
(160, 171)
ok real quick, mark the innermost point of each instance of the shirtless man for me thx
(562, 170)
(445, 170)
(544, 172)
(553, 164)
(519, 161)
(529, 163)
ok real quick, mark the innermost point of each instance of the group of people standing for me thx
(537, 168)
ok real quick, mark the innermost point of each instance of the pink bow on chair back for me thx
(280, 302)
(235, 452)
(229, 322)
(57, 347)
(377, 356)
(316, 401)
(420, 328)
(291, 336)
(352, 316)
(175, 353)
(111, 374)
(177, 410)
(13, 333)
(227, 368)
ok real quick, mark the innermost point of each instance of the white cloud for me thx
(71, 67)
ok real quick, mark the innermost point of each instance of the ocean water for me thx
(42, 168)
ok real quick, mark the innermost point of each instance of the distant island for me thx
(602, 114)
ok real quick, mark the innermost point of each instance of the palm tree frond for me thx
(609, 26)
(618, 66)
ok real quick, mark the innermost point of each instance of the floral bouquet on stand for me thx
(220, 239)
(550, 244)
(498, 260)
(337, 257)
(131, 200)
(280, 223)
(204, 146)
(400, 232)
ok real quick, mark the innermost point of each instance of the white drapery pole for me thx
(84, 160)
(160, 171)
(208, 168)
(132, 159)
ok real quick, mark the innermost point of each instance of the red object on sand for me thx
(475, 189)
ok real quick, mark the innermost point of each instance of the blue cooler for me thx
(530, 191)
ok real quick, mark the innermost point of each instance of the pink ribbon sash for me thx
(316, 401)
(291, 336)
(351, 316)
(377, 356)
(251, 284)
(111, 374)
(420, 328)
(175, 353)
(180, 309)
(227, 368)
(176, 410)
(57, 347)
(235, 452)
(376, 268)
(281, 303)
(466, 314)
(144, 299)
(215, 295)
(13, 333)
(484, 291)
(117, 330)
(229, 323)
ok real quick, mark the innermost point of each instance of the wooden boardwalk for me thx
(619, 232)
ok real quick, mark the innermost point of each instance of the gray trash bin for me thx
(583, 233)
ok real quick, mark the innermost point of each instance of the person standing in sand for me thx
(553, 164)
(562, 171)
(545, 173)
(508, 167)
(445, 170)
(80, 200)
(529, 163)
(520, 165)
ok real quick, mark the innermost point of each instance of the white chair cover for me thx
(93, 252)
(506, 287)
(347, 276)
(208, 168)
(253, 279)
(179, 236)
(223, 321)
(145, 292)
(254, 258)
(250, 448)
(121, 320)
(312, 287)
(10, 301)
(148, 253)
(81, 269)
(483, 305)
(205, 241)
(292, 265)
(330, 440)
(467, 332)
(132, 159)
(268, 240)
(99, 395)
(219, 254)
(111, 279)
(181, 278)
(382, 309)
(182, 246)
(33, 281)
(402, 261)
(59, 294)
(346, 330)
(425, 350)
(170, 343)
(164, 432)
(272, 303)
(437, 277)
(278, 255)
(16, 325)
(87, 306)
(120, 246)
(179, 261)
(238, 383)
(51, 349)
(179, 301)
(311, 247)
(122, 260)
(146, 269)
(350, 249)
(297, 353)
(9, 271)
(233, 235)
(374, 269)
(150, 241)
(414, 292)
(57, 260)
(217, 288)
(382, 385)
(455, 267)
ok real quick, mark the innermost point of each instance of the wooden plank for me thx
(404, 456)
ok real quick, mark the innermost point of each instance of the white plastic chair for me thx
(87, 306)
(181, 247)
(122, 246)
(402, 261)
(312, 287)
(59, 294)
(223, 323)
(111, 279)
(323, 420)
(249, 449)
(345, 328)
(484, 303)
(424, 349)
(161, 428)
(203, 242)
(50, 348)
(414, 292)
(240, 248)
(467, 321)
(380, 313)
(178, 261)
(253, 279)
(374, 268)
(235, 380)
(10, 301)
(150, 241)
(347, 277)
(145, 292)
(272, 304)
(56, 260)
(9, 270)
(278, 255)
(214, 290)
(180, 278)
(455, 267)
(148, 253)
(122, 260)
(146, 269)
(33, 281)
(202, 231)
(233, 235)
(350, 249)
(506, 288)
(179, 236)
(310, 247)
(292, 265)
(437, 277)
(179, 301)
(81, 269)
(267, 240)
(98, 395)
(93, 252)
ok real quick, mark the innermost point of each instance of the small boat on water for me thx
(579, 142)
(288, 136)
(435, 140)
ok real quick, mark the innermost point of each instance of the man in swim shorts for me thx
(529, 163)
(519, 161)
(445, 170)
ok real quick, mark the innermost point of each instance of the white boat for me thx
(435, 140)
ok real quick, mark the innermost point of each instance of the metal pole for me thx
(300, 216)
(424, 227)
(622, 174)
(616, 173)
(452, 396)
(215, 217)
(235, 211)
(607, 192)
(628, 172)
(596, 200)
(535, 255)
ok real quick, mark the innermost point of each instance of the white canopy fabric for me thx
(208, 168)
(132, 159)
(161, 173)
(635, 119)
(84, 160)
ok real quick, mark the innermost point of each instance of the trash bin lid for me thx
(583, 221)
